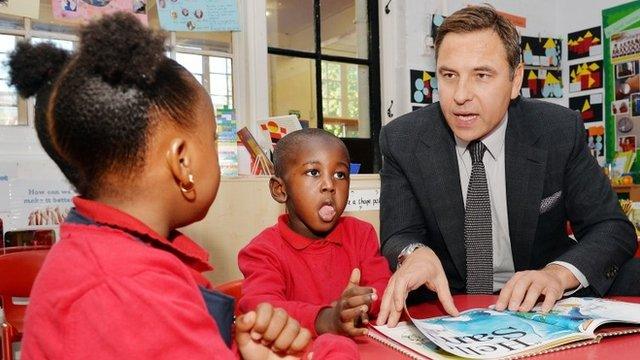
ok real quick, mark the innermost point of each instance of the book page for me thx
(408, 336)
(593, 312)
(487, 334)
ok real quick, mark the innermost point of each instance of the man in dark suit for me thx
(477, 189)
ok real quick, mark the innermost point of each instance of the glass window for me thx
(290, 24)
(345, 113)
(63, 44)
(10, 105)
(344, 28)
(292, 87)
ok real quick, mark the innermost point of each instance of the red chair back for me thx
(19, 270)
(232, 288)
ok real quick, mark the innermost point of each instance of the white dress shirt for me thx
(494, 165)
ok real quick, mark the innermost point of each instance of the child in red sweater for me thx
(324, 269)
(135, 134)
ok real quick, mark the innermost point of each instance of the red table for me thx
(616, 347)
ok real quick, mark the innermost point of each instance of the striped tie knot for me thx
(477, 149)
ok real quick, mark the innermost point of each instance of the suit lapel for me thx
(436, 157)
(524, 171)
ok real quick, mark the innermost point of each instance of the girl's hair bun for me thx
(31, 67)
(122, 50)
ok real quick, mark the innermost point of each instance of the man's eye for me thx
(483, 76)
(313, 172)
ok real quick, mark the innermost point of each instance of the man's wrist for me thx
(564, 275)
(408, 250)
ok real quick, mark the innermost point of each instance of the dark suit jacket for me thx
(545, 153)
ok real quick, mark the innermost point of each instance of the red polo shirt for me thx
(305, 275)
(103, 294)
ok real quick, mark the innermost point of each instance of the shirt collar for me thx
(494, 140)
(177, 243)
(300, 242)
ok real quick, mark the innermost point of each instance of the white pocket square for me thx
(550, 202)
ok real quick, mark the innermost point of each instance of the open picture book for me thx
(490, 334)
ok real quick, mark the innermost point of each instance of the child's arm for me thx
(374, 267)
(267, 332)
(349, 313)
(265, 282)
(154, 314)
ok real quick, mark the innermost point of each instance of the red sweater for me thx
(102, 294)
(304, 275)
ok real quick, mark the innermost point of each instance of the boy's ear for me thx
(179, 161)
(278, 189)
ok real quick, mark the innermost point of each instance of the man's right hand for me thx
(422, 267)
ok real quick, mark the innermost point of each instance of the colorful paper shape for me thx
(424, 87)
(584, 43)
(589, 110)
(585, 76)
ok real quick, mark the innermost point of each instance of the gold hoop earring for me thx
(188, 187)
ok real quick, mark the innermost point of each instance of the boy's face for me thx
(316, 183)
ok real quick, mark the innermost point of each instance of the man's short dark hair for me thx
(478, 18)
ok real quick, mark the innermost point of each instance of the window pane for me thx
(292, 87)
(218, 65)
(63, 44)
(218, 84)
(7, 43)
(8, 99)
(344, 28)
(345, 112)
(9, 115)
(192, 62)
(290, 24)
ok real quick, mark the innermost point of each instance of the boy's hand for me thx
(269, 333)
(349, 313)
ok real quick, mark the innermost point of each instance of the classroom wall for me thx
(242, 209)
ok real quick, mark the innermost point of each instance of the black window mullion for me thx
(375, 116)
(318, 40)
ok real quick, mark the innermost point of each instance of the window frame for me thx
(373, 64)
(27, 32)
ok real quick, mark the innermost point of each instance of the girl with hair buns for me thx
(135, 132)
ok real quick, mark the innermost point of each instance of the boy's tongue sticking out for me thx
(327, 213)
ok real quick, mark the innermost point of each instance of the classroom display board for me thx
(621, 38)
(542, 73)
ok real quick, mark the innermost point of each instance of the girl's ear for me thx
(179, 162)
(278, 189)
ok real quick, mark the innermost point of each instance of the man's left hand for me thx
(522, 291)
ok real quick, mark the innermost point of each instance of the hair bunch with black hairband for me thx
(109, 97)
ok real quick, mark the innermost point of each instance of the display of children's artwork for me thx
(274, 128)
(589, 106)
(585, 76)
(436, 21)
(541, 51)
(26, 8)
(625, 45)
(227, 142)
(198, 15)
(584, 43)
(595, 140)
(424, 87)
(542, 83)
(89, 9)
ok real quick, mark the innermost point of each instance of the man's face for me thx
(474, 82)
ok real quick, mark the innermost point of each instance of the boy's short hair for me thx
(289, 144)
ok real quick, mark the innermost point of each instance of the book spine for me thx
(390, 343)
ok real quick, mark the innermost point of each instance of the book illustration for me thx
(489, 334)
(261, 163)
(414, 343)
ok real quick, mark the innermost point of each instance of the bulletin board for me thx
(621, 34)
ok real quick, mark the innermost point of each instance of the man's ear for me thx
(278, 189)
(516, 84)
(179, 161)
